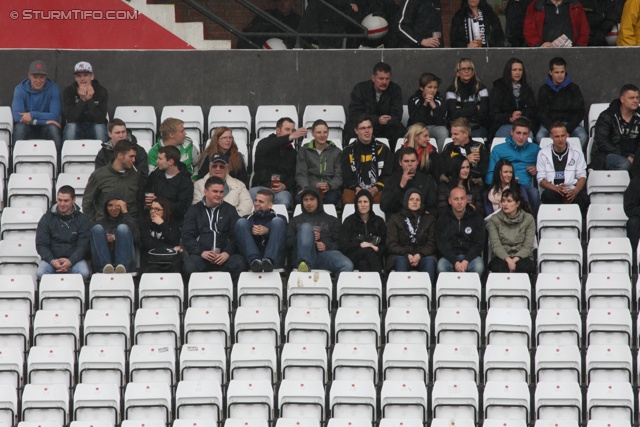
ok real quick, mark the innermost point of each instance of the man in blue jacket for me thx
(523, 155)
(36, 107)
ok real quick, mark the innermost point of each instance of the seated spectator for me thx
(363, 235)
(113, 237)
(208, 234)
(476, 25)
(601, 16)
(313, 237)
(318, 165)
(512, 232)
(235, 193)
(262, 235)
(549, 21)
(417, 137)
(462, 145)
(160, 239)
(426, 107)
(560, 99)
(275, 157)
(85, 106)
(380, 100)
(523, 155)
(514, 12)
(468, 98)
(62, 237)
(172, 133)
(632, 210)
(366, 164)
(411, 240)
(36, 107)
(512, 97)
(617, 132)
(408, 177)
(285, 13)
(420, 24)
(117, 131)
(458, 177)
(222, 142)
(562, 171)
(171, 180)
(503, 179)
(460, 236)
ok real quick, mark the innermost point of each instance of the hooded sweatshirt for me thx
(521, 156)
(110, 224)
(329, 225)
(178, 189)
(355, 231)
(43, 105)
(106, 155)
(92, 111)
(63, 236)
(562, 103)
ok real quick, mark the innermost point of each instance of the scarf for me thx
(476, 25)
(373, 170)
(413, 232)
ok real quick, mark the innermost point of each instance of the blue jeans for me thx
(80, 267)
(330, 198)
(476, 265)
(275, 249)
(306, 251)
(22, 131)
(479, 132)
(426, 264)
(616, 162)
(122, 254)
(282, 198)
(85, 130)
(579, 132)
(504, 131)
(534, 197)
(439, 133)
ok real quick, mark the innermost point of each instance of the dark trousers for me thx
(366, 259)
(553, 198)
(234, 265)
(523, 265)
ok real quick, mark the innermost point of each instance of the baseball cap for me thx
(219, 157)
(38, 67)
(83, 67)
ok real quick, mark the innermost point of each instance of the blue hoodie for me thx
(43, 105)
(520, 156)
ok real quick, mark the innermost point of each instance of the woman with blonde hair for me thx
(417, 137)
(468, 98)
(222, 142)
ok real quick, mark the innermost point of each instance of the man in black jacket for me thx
(84, 106)
(460, 236)
(409, 177)
(381, 100)
(617, 132)
(171, 180)
(208, 234)
(117, 131)
(276, 156)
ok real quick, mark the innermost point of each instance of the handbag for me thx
(162, 256)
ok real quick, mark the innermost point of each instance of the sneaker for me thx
(267, 265)
(303, 267)
(256, 265)
(120, 269)
(108, 269)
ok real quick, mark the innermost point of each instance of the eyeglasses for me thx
(156, 209)
(226, 137)
(465, 69)
(365, 127)
(217, 166)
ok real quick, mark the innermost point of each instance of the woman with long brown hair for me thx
(222, 142)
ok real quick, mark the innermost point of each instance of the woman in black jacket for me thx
(160, 235)
(468, 98)
(475, 25)
(459, 176)
(511, 97)
(363, 235)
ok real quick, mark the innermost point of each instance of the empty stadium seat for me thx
(231, 116)
(161, 290)
(20, 223)
(608, 290)
(355, 361)
(148, 401)
(559, 221)
(203, 362)
(112, 292)
(606, 362)
(15, 330)
(97, 402)
(359, 325)
(558, 363)
(257, 325)
(140, 120)
(251, 399)
(456, 362)
(353, 399)
(606, 221)
(51, 365)
(304, 362)
(557, 290)
(404, 399)
(101, 365)
(311, 289)
(255, 361)
(57, 328)
(458, 290)
(301, 399)
(609, 400)
(78, 155)
(609, 326)
(506, 363)
(558, 400)
(29, 191)
(310, 325)
(199, 400)
(359, 289)
(408, 325)
(607, 186)
(508, 400)
(213, 289)
(18, 257)
(559, 255)
(36, 156)
(408, 289)
(558, 326)
(260, 289)
(508, 290)
(297, 422)
(157, 326)
(45, 402)
(609, 255)
(207, 326)
(62, 292)
(11, 367)
(405, 362)
(6, 124)
(455, 399)
(152, 363)
(107, 328)
(458, 325)
(19, 295)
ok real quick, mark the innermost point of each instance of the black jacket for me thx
(460, 236)
(476, 191)
(354, 228)
(329, 224)
(199, 234)
(106, 155)
(178, 190)
(632, 198)
(63, 236)
(419, 113)
(419, 19)
(362, 154)
(110, 224)
(363, 101)
(562, 103)
(613, 135)
(75, 110)
(452, 150)
(275, 155)
(461, 36)
(602, 16)
(468, 103)
(393, 194)
(159, 236)
(515, 12)
(502, 104)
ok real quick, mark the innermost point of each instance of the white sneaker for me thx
(108, 269)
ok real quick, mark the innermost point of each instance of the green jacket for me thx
(512, 237)
(313, 167)
(129, 184)
(189, 155)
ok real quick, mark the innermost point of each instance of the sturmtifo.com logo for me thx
(73, 15)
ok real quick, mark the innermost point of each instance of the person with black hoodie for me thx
(84, 106)
(476, 20)
(363, 235)
(171, 180)
(313, 237)
(117, 131)
(617, 132)
(114, 236)
(160, 239)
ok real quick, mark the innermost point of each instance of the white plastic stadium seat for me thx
(506, 400)
(140, 120)
(29, 190)
(206, 362)
(608, 290)
(560, 255)
(112, 292)
(76, 180)
(160, 326)
(78, 155)
(268, 115)
(6, 124)
(62, 292)
(408, 289)
(260, 289)
(508, 326)
(257, 325)
(606, 221)
(20, 223)
(45, 402)
(458, 290)
(213, 289)
(161, 290)
(57, 328)
(458, 325)
(404, 399)
(101, 365)
(607, 186)
(357, 325)
(607, 400)
(255, 361)
(506, 363)
(36, 156)
(334, 115)
(107, 328)
(408, 325)
(199, 400)
(609, 326)
(558, 400)
(558, 326)
(231, 116)
(304, 362)
(207, 326)
(355, 361)
(456, 362)
(310, 325)
(147, 401)
(558, 363)
(508, 290)
(51, 365)
(558, 290)
(559, 221)
(353, 399)
(18, 257)
(192, 117)
(311, 289)
(97, 402)
(301, 399)
(359, 289)
(455, 399)
(250, 399)
(609, 255)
